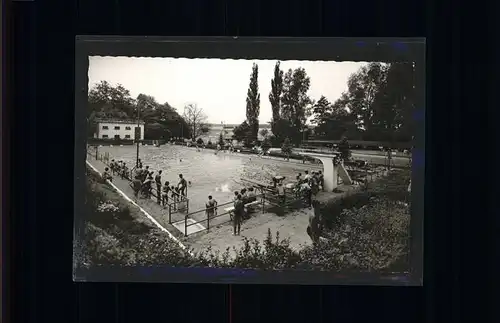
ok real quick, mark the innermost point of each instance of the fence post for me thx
(185, 226)
(169, 213)
(187, 204)
(208, 219)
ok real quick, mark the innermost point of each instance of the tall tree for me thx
(264, 132)
(363, 88)
(243, 132)
(196, 120)
(296, 104)
(253, 103)
(275, 96)
(108, 101)
(320, 110)
(333, 120)
(394, 104)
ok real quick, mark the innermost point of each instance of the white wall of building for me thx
(109, 130)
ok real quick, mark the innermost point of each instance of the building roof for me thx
(124, 121)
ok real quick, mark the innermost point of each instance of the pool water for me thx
(213, 174)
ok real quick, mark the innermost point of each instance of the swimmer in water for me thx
(180, 160)
(189, 183)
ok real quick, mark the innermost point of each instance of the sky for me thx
(218, 86)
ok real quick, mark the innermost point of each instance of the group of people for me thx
(241, 198)
(309, 185)
(238, 214)
(145, 181)
(119, 168)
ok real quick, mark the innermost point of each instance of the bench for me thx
(231, 209)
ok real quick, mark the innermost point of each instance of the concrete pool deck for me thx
(291, 226)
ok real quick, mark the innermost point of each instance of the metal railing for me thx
(155, 194)
(214, 208)
(173, 206)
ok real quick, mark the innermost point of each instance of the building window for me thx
(105, 127)
(117, 136)
(128, 128)
(127, 136)
(105, 136)
(117, 127)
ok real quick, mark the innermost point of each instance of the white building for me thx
(118, 129)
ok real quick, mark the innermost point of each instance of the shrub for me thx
(200, 141)
(370, 238)
(266, 144)
(271, 254)
(286, 147)
(345, 151)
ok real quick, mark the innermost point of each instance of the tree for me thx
(196, 120)
(275, 96)
(333, 120)
(363, 88)
(107, 101)
(253, 103)
(155, 115)
(394, 105)
(295, 102)
(221, 140)
(266, 144)
(286, 148)
(264, 132)
(243, 132)
(377, 106)
(344, 149)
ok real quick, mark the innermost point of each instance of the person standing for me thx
(238, 215)
(158, 186)
(112, 166)
(211, 207)
(314, 228)
(164, 193)
(321, 180)
(106, 175)
(281, 193)
(308, 192)
(136, 186)
(182, 185)
(145, 173)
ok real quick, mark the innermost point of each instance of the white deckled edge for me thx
(144, 211)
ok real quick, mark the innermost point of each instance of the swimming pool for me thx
(213, 174)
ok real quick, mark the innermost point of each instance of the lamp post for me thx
(137, 137)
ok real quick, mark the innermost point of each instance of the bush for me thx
(200, 141)
(344, 149)
(369, 238)
(392, 187)
(272, 254)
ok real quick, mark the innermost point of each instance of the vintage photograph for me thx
(262, 164)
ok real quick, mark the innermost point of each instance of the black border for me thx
(327, 49)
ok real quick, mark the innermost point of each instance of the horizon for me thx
(199, 81)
